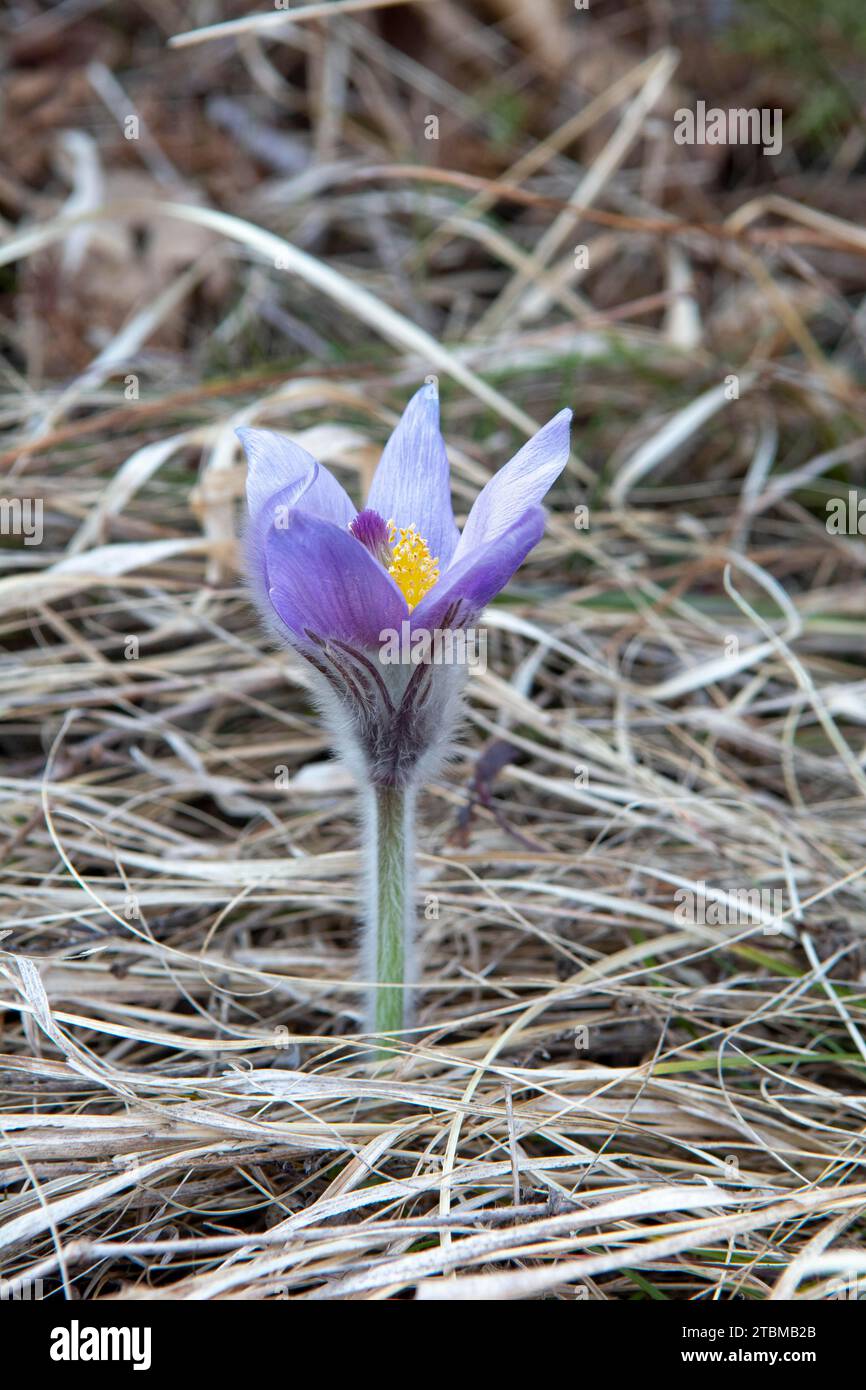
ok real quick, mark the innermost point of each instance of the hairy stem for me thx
(390, 927)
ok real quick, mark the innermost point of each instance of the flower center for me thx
(413, 569)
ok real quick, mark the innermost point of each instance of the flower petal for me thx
(480, 576)
(320, 577)
(519, 484)
(412, 486)
(274, 462)
(273, 513)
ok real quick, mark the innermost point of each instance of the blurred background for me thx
(304, 129)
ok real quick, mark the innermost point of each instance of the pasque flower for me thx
(333, 582)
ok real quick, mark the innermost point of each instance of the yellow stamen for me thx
(413, 568)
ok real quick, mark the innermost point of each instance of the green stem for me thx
(392, 914)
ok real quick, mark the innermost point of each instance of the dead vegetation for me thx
(606, 1096)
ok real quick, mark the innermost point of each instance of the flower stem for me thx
(391, 912)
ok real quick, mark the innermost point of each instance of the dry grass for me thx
(601, 1099)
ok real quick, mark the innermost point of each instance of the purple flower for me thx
(333, 580)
